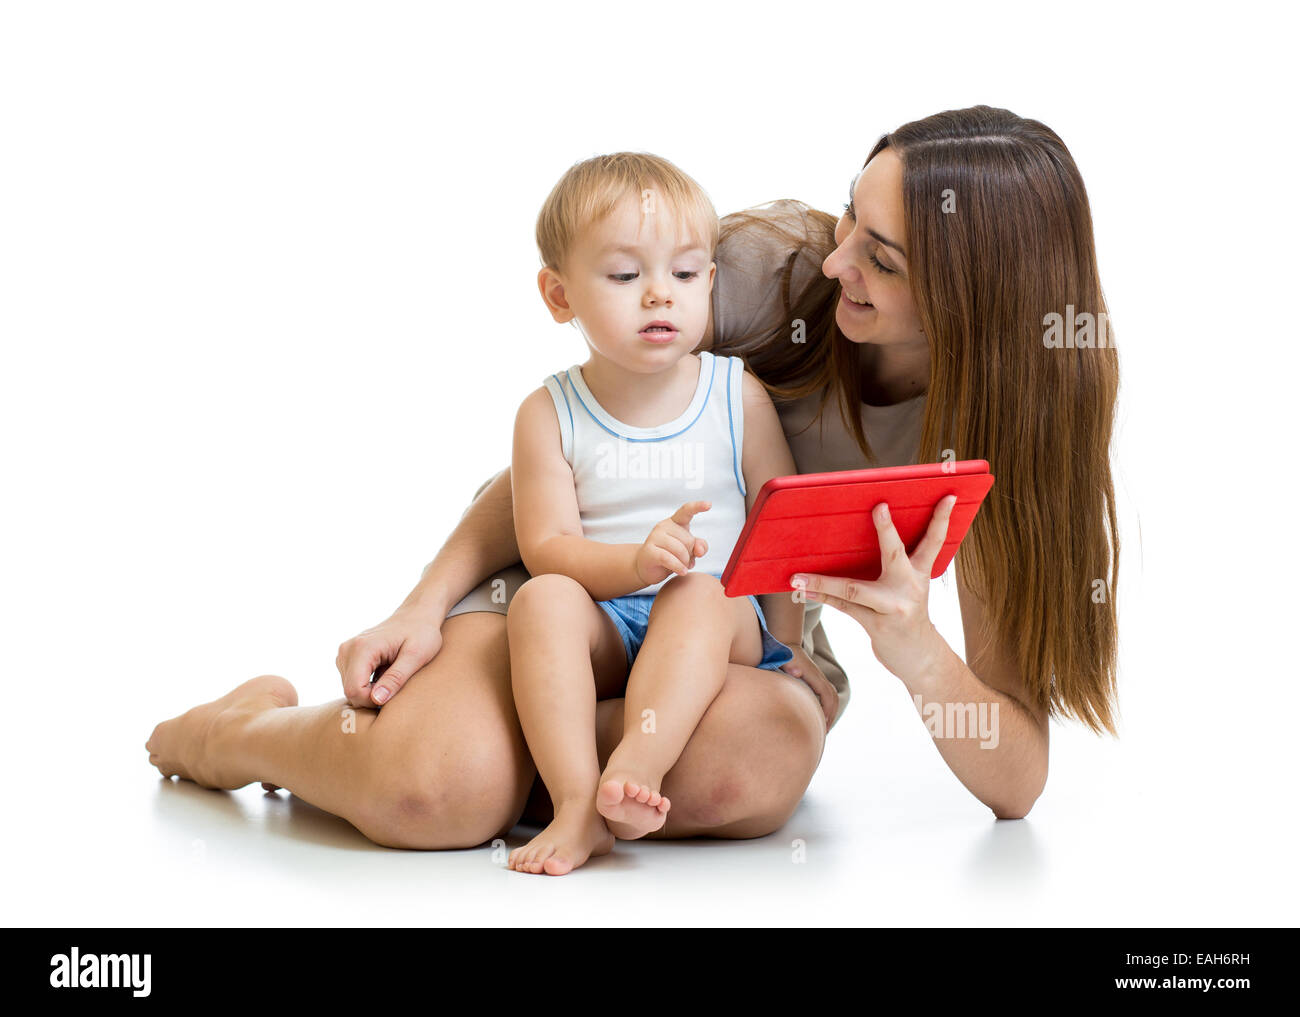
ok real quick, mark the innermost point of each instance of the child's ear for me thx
(713, 271)
(551, 287)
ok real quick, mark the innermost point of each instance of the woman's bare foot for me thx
(576, 834)
(632, 809)
(184, 746)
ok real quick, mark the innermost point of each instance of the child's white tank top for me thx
(629, 478)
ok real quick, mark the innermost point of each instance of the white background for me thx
(267, 306)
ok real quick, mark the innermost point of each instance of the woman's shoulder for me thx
(766, 258)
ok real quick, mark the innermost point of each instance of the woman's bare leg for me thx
(443, 765)
(744, 769)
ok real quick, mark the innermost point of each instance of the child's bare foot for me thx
(183, 746)
(632, 809)
(576, 834)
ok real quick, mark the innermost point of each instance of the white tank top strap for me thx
(629, 478)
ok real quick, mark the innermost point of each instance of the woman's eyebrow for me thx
(887, 242)
(877, 236)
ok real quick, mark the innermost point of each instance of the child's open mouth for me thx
(659, 332)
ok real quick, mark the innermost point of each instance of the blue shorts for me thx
(631, 616)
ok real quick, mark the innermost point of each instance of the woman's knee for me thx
(451, 768)
(757, 750)
(444, 795)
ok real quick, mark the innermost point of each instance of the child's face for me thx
(625, 274)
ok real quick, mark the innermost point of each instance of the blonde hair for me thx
(590, 190)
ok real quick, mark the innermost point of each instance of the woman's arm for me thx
(983, 721)
(764, 455)
(1005, 764)
(482, 543)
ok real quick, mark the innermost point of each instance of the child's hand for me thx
(671, 548)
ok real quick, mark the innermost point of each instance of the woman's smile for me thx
(854, 304)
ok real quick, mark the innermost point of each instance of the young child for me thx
(632, 475)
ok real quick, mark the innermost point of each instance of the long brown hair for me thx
(1000, 251)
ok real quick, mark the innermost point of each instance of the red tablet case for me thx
(821, 522)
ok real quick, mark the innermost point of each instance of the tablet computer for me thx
(821, 522)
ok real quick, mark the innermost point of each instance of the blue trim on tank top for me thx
(704, 404)
(731, 425)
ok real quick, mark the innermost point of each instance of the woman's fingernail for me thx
(884, 513)
(797, 582)
(381, 695)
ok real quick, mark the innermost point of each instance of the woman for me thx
(965, 232)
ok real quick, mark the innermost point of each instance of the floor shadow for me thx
(206, 813)
(1007, 856)
(289, 816)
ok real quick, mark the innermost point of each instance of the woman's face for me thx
(870, 259)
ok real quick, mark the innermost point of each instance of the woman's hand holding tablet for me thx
(821, 523)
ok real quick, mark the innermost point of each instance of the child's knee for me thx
(698, 587)
(543, 595)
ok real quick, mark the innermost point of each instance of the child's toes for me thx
(610, 794)
(540, 858)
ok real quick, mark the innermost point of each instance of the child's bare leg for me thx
(694, 631)
(564, 651)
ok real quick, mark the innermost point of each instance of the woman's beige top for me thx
(746, 292)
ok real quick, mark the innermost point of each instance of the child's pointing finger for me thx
(682, 517)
